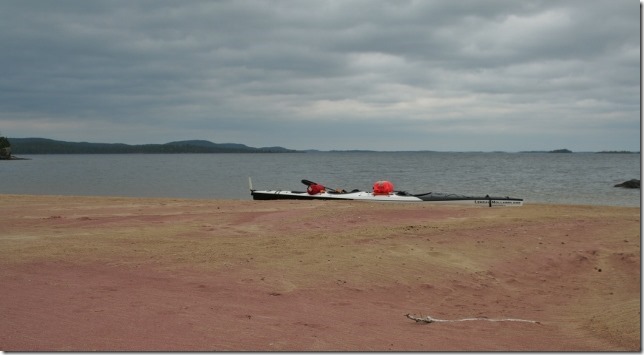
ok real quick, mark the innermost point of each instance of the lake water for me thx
(578, 178)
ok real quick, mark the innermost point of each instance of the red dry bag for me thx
(383, 188)
(315, 189)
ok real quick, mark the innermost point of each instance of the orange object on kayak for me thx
(383, 187)
(315, 189)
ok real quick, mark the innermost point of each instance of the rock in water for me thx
(630, 184)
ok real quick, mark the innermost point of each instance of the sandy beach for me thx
(131, 274)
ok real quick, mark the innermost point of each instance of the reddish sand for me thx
(99, 273)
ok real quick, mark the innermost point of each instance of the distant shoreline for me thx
(50, 146)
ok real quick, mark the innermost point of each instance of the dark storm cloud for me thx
(529, 74)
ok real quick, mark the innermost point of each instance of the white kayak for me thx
(394, 196)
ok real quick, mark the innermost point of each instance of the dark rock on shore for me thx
(630, 184)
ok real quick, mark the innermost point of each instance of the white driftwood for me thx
(429, 319)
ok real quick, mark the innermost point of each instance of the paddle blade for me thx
(308, 183)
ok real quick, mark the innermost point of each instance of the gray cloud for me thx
(444, 75)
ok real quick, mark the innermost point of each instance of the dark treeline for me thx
(50, 146)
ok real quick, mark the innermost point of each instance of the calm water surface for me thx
(578, 178)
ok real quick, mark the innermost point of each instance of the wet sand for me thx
(129, 274)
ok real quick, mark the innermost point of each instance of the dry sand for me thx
(102, 273)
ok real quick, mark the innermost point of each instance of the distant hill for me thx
(50, 146)
(229, 146)
(209, 144)
(547, 151)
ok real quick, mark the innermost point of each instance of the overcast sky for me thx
(447, 75)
